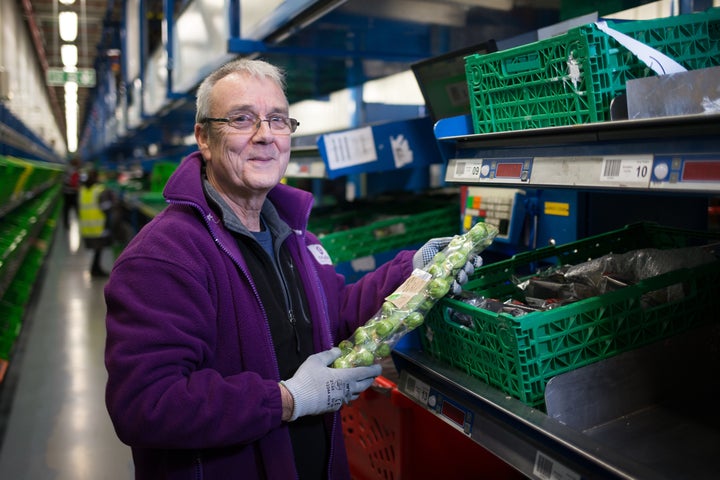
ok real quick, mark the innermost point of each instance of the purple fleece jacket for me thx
(192, 374)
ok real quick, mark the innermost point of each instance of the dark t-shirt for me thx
(292, 346)
(283, 298)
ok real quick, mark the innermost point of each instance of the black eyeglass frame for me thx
(293, 123)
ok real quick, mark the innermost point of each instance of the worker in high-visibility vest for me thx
(95, 204)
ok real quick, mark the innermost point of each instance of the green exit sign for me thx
(84, 77)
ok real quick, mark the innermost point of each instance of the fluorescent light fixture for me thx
(68, 22)
(71, 91)
(69, 55)
(71, 115)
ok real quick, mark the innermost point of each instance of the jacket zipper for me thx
(288, 298)
(318, 297)
(323, 304)
(198, 467)
(237, 263)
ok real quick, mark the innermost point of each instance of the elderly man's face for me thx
(245, 164)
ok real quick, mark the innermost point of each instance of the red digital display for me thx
(508, 170)
(453, 413)
(701, 170)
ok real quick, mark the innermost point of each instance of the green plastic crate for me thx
(10, 172)
(572, 78)
(38, 175)
(322, 223)
(10, 326)
(398, 231)
(519, 355)
(161, 172)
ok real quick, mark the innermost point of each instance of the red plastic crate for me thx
(390, 437)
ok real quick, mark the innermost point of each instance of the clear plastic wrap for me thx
(405, 309)
(604, 274)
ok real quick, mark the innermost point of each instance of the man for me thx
(222, 312)
(96, 202)
(70, 189)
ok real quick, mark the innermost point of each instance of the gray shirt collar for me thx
(278, 228)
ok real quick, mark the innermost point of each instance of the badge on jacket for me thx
(320, 254)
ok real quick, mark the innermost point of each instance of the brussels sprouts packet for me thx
(404, 310)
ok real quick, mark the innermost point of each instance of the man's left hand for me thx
(435, 245)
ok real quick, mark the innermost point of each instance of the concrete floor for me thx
(53, 422)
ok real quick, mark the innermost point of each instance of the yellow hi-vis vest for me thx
(92, 218)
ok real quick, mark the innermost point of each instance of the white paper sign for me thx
(347, 149)
(402, 154)
(655, 60)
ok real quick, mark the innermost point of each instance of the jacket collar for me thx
(290, 204)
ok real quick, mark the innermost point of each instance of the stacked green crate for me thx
(572, 78)
(520, 354)
(10, 172)
(25, 234)
(371, 232)
(392, 232)
(36, 175)
(10, 326)
(160, 174)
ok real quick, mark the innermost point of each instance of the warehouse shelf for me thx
(669, 156)
(25, 237)
(306, 162)
(18, 140)
(657, 440)
(323, 45)
(662, 155)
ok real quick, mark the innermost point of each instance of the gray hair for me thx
(247, 66)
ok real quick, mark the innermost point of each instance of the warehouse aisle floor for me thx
(54, 417)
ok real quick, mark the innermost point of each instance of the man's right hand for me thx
(318, 388)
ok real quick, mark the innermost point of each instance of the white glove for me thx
(317, 388)
(426, 253)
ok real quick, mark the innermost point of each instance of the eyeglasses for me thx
(250, 123)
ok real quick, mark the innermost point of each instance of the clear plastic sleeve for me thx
(405, 309)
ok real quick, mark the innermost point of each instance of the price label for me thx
(629, 169)
(410, 288)
(467, 169)
(417, 389)
(546, 468)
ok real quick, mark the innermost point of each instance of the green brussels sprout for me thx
(342, 362)
(364, 358)
(388, 308)
(384, 327)
(479, 232)
(414, 320)
(456, 242)
(345, 346)
(438, 287)
(362, 335)
(383, 350)
(436, 270)
(457, 259)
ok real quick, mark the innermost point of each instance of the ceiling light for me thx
(69, 55)
(68, 26)
(67, 2)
